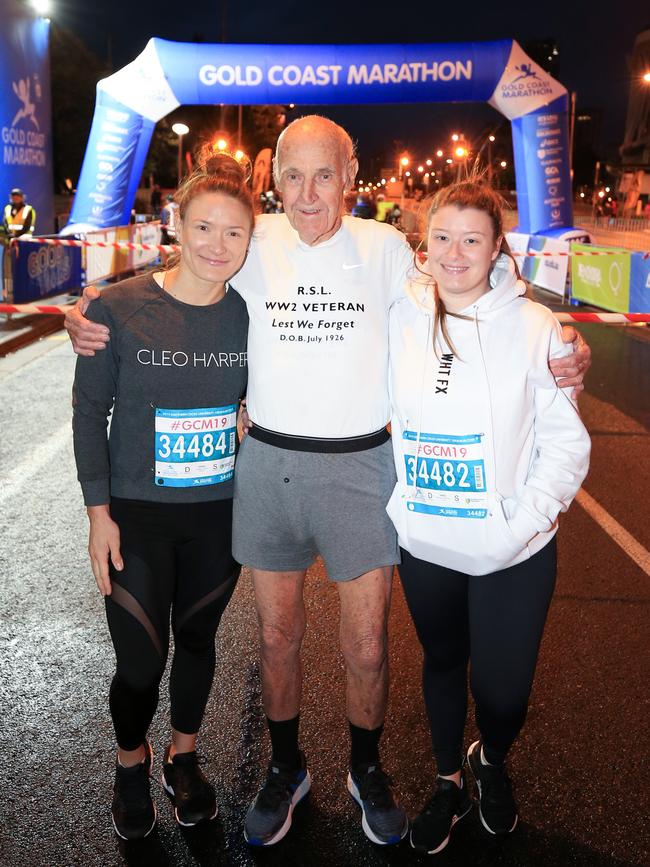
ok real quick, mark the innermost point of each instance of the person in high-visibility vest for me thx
(18, 218)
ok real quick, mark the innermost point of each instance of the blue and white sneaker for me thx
(269, 816)
(383, 820)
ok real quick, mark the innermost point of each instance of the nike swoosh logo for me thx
(349, 267)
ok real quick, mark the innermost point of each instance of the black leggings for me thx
(496, 621)
(177, 558)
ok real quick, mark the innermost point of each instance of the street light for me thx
(646, 77)
(41, 7)
(438, 153)
(455, 137)
(221, 144)
(180, 129)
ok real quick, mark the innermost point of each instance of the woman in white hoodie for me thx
(488, 451)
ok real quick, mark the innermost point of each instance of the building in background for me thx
(634, 188)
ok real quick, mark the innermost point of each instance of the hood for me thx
(504, 288)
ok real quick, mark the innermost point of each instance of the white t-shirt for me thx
(318, 334)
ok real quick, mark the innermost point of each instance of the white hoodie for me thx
(501, 450)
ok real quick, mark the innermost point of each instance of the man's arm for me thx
(87, 337)
(571, 370)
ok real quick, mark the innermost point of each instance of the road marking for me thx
(41, 457)
(615, 531)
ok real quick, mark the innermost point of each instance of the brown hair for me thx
(472, 193)
(215, 173)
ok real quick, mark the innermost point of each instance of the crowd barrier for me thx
(40, 267)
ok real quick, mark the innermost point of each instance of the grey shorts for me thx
(290, 506)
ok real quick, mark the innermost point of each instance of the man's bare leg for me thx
(365, 603)
(281, 619)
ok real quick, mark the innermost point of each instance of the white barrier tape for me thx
(609, 318)
(52, 309)
(115, 245)
(172, 248)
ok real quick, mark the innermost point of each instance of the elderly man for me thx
(315, 473)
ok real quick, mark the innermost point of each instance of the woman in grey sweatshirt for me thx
(158, 488)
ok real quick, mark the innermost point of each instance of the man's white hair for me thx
(320, 126)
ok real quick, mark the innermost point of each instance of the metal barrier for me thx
(618, 224)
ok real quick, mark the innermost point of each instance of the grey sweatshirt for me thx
(172, 374)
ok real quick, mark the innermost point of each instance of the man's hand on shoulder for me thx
(87, 337)
(571, 369)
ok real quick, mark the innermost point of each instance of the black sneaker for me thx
(133, 812)
(383, 820)
(497, 807)
(269, 816)
(192, 795)
(431, 830)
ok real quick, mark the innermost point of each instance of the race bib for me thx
(195, 446)
(445, 475)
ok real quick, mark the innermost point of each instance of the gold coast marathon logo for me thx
(526, 83)
(23, 142)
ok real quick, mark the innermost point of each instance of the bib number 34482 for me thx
(195, 447)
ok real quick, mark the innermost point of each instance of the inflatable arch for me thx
(168, 74)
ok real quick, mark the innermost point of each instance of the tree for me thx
(74, 72)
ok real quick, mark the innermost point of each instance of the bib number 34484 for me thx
(195, 447)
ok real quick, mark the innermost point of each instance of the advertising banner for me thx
(168, 74)
(541, 149)
(518, 243)
(40, 270)
(640, 283)
(547, 272)
(603, 281)
(25, 112)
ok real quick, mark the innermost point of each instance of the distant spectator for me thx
(168, 217)
(156, 201)
(364, 208)
(18, 218)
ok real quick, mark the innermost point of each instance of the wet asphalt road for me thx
(580, 766)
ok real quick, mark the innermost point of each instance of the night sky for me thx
(595, 40)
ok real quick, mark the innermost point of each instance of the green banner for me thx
(603, 281)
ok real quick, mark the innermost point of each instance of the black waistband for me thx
(318, 444)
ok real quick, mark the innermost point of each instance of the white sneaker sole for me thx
(444, 843)
(171, 792)
(298, 795)
(153, 825)
(367, 830)
(155, 812)
(480, 811)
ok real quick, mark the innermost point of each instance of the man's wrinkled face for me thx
(313, 176)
